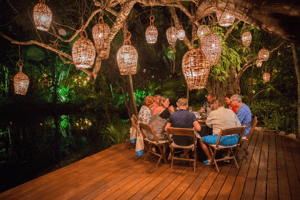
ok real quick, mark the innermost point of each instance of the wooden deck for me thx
(272, 172)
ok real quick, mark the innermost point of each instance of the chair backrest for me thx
(134, 121)
(253, 125)
(231, 131)
(147, 127)
(181, 132)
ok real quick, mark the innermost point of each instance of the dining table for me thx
(205, 130)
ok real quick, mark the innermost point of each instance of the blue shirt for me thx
(182, 119)
(244, 115)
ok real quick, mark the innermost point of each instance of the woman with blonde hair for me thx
(145, 112)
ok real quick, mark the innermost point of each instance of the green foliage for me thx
(118, 132)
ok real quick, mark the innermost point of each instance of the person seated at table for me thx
(243, 112)
(218, 119)
(159, 119)
(145, 112)
(183, 119)
(208, 105)
(156, 102)
(228, 103)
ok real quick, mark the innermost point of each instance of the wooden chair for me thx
(230, 153)
(134, 122)
(245, 140)
(161, 144)
(186, 149)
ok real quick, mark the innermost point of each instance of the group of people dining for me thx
(221, 113)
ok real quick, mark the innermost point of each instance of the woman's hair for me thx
(228, 96)
(162, 100)
(148, 101)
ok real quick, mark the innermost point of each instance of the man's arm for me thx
(167, 126)
(197, 125)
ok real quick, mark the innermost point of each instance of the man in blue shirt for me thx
(243, 113)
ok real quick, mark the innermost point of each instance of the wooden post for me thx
(187, 93)
(132, 96)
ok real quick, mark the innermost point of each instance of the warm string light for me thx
(151, 32)
(180, 33)
(246, 38)
(225, 19)
(258, 63)
(100, 32)
(266, 75)
(263, 54)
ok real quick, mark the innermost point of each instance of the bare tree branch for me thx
(230, 29)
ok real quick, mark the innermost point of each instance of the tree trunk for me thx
(250, 90)
(298, 80)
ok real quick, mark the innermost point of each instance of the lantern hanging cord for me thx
(20, 63)
(100, 20)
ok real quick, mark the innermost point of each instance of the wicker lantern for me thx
(266, 77)
(42, 16)
(195, 69)
(151, 32)
(100, 33)
(21, 81)
(83, 52)
(127, 58)
(225, 19)
(180, 33)
(211, 45)
(247, 38)
(172, 35)
(263, 54)
(258, 63)
(202, 30)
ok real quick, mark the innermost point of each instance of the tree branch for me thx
(230, 29)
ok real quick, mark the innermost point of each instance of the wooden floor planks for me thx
(272, 171)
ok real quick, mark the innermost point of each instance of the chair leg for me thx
(172, 150)
(165, 146)
(149, 150)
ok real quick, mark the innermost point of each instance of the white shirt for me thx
(222, 118)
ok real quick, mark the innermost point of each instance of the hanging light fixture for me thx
(172, 35)
(151, 31)
(21, 81)
(127, 58)
(195, 68)
(203, 29)
(263, 54)
(42, 16)
(83, 52)
(266, 75)
(225, 19)
(247, 38)
(100, 32)
(258, 63)
(180, 33)
(211, 45)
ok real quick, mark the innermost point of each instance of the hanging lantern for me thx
(21, 81)
(258, 63)
(246, 38)
(211, 45)
(172, 35)
(151, 32)
(195, 69)
(263, 54)
(100, 33)
(42, 16)
(180, 33)
(225, 19)
(202, 30)
(83, 52)
(266, 77)
(127, 57)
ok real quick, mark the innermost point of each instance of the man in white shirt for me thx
(221, 118)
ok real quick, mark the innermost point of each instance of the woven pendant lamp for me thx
(180, 33)
(100, 32)
(266, 75)
(258, 63)
(263, 54)
(225, 19)
(83, 52)
(211, 45)
(151, 32)
(127, 58)
(195, 68)
(203, 29)
(42, 16)
(247, 38)
(21, 81)
(172, 35)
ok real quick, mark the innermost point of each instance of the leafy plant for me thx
(117, 132)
